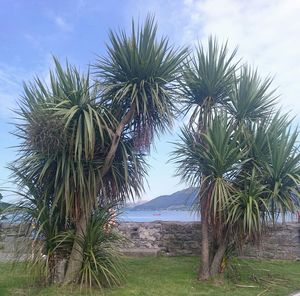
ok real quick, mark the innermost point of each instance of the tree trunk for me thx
(283, 217)
(76, 257)
(219, 255)
(115, 141)
(59, 271)
(204, 271)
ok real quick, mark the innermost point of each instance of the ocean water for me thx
(184, 216)
(149, 216)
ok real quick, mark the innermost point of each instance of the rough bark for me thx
(217, 260)
(115, 141)
(204, 195)
(205, 270)
(76, 257)
(283, 218)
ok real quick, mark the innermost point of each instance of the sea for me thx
(133, 216)
(167, 215)
(151, 216)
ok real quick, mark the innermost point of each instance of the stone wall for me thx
(183, 238)
(171, 238)
(13, 237)
(281, 242)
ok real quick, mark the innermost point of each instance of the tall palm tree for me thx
(84, 142)
(217, 160)
(137, 81)
(207, 83)
(229, 149)
(66, 135)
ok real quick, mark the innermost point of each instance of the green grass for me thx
(171, 276)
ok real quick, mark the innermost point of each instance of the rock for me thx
(171, 238)
(184, 238)
(60, 270)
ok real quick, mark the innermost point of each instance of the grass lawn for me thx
(171, 276)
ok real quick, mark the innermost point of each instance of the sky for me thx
(265, 31)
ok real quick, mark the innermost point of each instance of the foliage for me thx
(101, 265)
(83, 144)
(251, 99)
(217, 157)
(43, 223)
(65, 133)
(141, 72)
(64, 179)
(207, 81)
(236, 148)
(83, 140)
(52, 241)
(101, 260)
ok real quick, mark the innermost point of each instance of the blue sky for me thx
(32, 31)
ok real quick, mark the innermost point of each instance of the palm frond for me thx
(141, 72)
(282, 172)
(208, 80)
(251, 100)
(247, 210)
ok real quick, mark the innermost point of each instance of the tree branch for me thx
(115, 140)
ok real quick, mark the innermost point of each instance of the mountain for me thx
(131, 205)
(180, 200)
(4, 205)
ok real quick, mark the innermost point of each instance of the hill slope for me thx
(180, 200)
(4, 205)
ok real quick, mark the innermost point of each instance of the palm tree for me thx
(84, 143)
(217, 160)
(229, 149)
(282, 172)
(207, 84)
(137, 81)
(66, 133)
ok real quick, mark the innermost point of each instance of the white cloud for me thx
(267, 33)
(62, 24)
